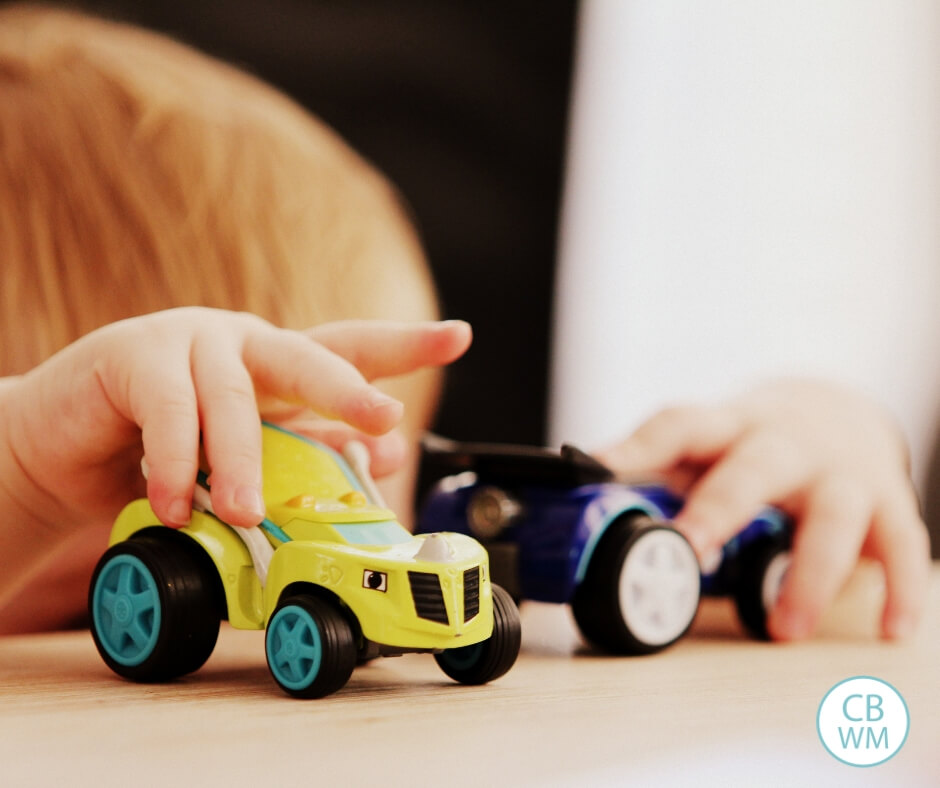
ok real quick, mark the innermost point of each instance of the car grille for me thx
(429, 601)
(471, 593)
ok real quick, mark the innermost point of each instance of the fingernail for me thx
(710, 561)
(378, 399)
(179, 512)
(697, 538)
(249, 499)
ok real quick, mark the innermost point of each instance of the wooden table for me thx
(716, 709)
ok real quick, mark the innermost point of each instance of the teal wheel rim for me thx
(295, 648)
(126, 610)
(463, 658)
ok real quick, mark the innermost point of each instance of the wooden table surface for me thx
(715, 709)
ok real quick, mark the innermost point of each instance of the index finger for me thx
(762, 468)
(290, 366)
(673, 436)
(383, 348)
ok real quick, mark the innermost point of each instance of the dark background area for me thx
(463, 105)
(932, 497)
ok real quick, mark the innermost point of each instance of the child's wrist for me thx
(26, 537)
(20, 494)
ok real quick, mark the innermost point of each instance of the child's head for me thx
(137, 174)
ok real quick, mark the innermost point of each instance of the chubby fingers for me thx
(381, 349)
(747, 468)
(231, 431)
(295, 368)
(899, 540)
(834, 520)
(761, 467)
(161, 398)
(184, 386)
(290, 366)
(204, 382)
(674, 436)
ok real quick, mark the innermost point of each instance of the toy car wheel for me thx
(155, 607)
(763, 566)
(641, 589)
(310, 646)
(483, 662)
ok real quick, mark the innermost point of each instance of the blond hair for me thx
(137, 174)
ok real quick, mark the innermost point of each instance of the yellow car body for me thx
(324, 533)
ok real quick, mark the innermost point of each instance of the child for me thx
(137, 176)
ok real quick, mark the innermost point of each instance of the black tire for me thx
(602, 602)
(155, 605)
(755, 590)
(483, 662)
(310, 646)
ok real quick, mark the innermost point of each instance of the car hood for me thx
(439, 548)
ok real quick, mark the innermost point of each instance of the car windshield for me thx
(295, 465)
(506, 464)
(384, 532)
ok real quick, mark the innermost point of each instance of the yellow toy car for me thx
(330, 573)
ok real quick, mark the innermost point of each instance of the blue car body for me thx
(553, 539)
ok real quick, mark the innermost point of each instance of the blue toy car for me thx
(559, 529)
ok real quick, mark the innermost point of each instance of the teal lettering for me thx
(845, 708)
(868, 742)
(850, 735)
(854, 737)
(873, 707)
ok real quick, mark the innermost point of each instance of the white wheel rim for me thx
(659, 587)
(773, 580)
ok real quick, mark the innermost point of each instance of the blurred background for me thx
(752, 191)
(687, 196)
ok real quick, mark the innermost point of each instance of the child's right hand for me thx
(829, 457)
(71, 430)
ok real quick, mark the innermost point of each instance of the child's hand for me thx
(74, 424)
(829, 457)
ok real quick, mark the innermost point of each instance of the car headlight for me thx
(377, 581)
(490, 511)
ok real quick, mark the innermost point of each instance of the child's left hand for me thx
(829, 457)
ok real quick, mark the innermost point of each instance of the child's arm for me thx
(830, 457)
(71, 430)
